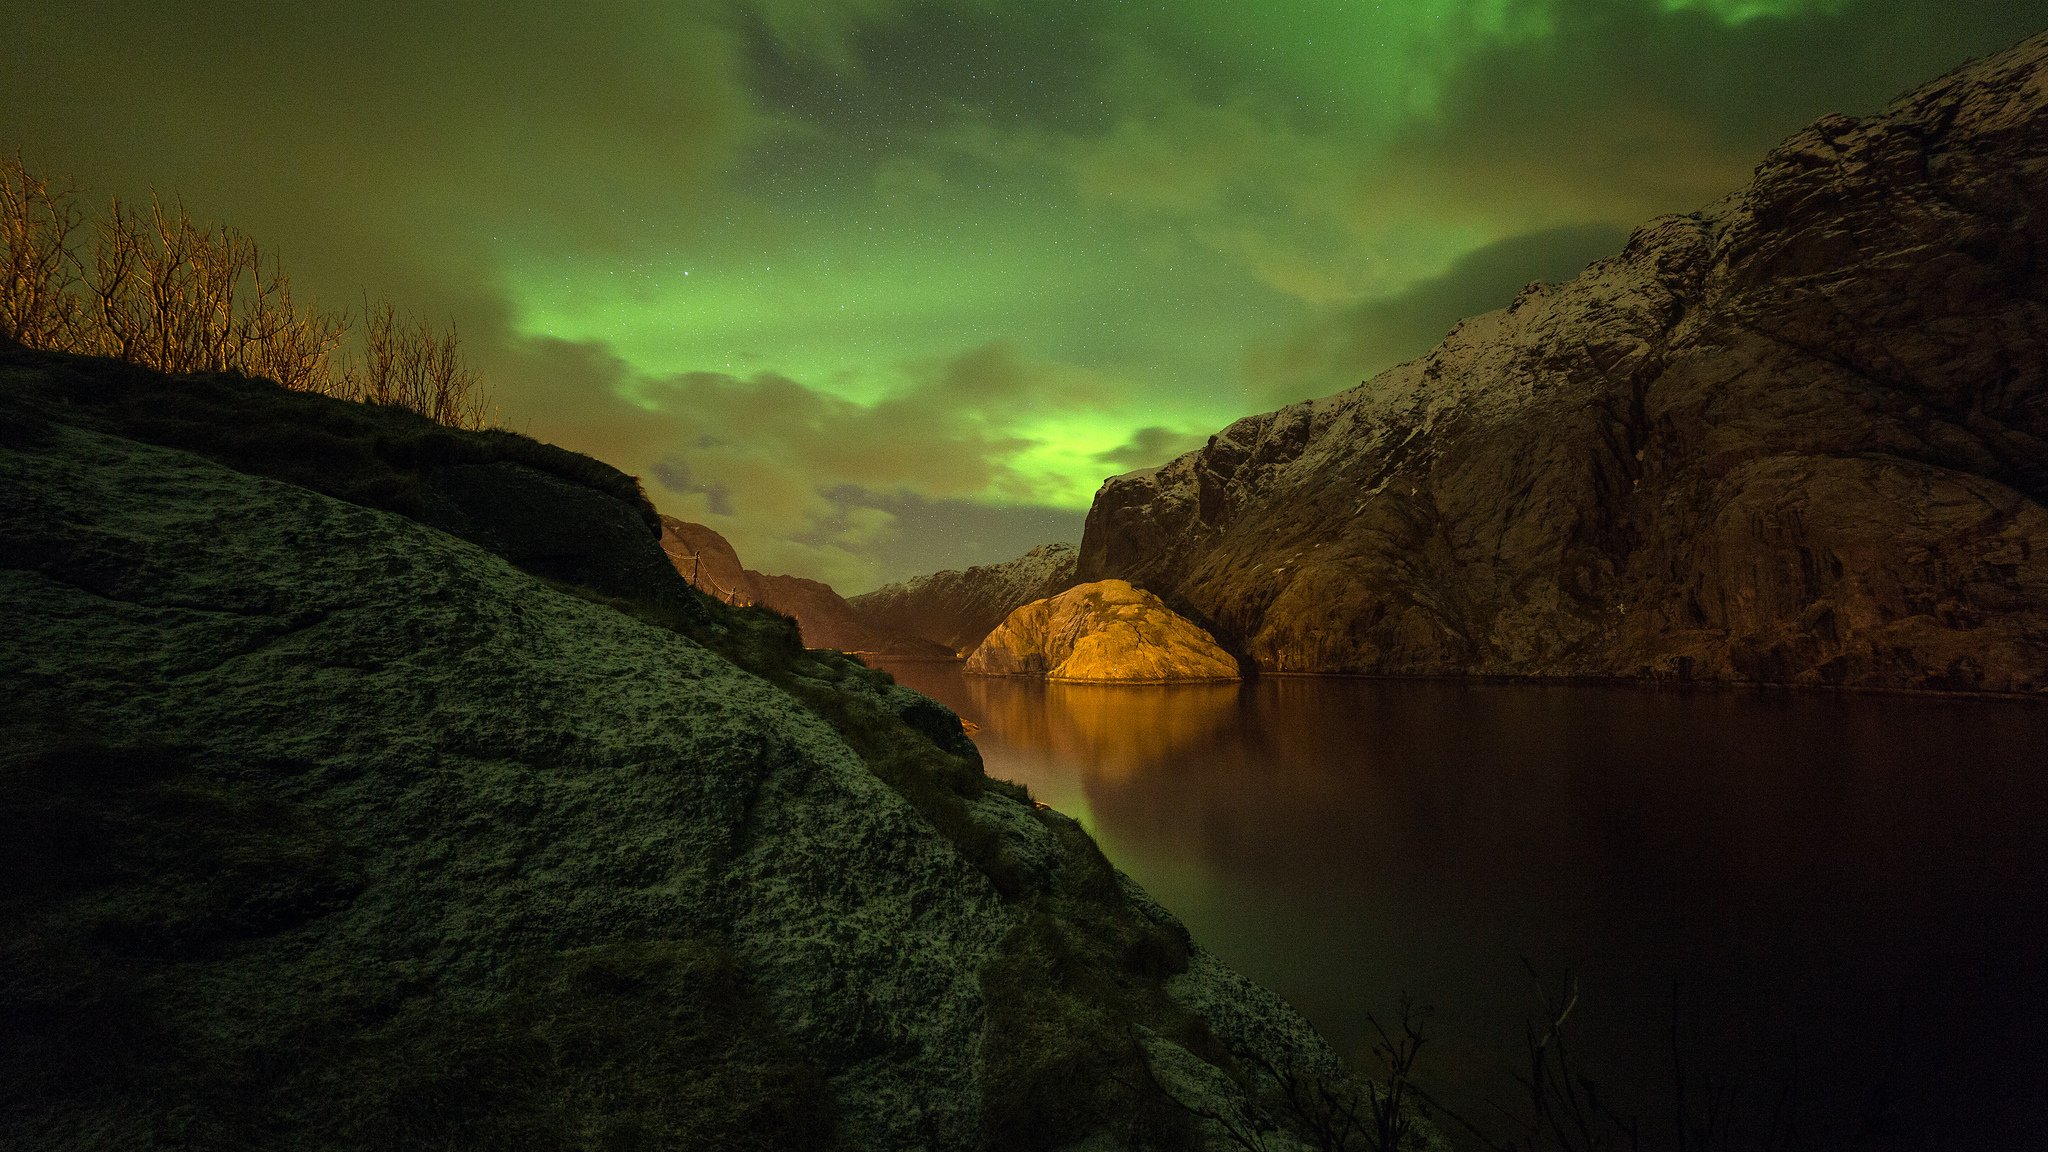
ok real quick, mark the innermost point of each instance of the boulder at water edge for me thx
(1105, 632)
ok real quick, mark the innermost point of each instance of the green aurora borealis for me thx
(877, 286)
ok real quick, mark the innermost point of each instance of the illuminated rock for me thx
(1105, 632)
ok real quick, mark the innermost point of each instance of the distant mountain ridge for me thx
(1798, 436)
(709, 561)
(959, 608)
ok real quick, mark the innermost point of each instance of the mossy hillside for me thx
(368, 454)
(136, 939)
(553, 512)
(489, 830)
(519, 773)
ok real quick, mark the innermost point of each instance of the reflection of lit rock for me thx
(1105, 632)
(1119, 733)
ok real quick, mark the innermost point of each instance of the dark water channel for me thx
(1860, 880)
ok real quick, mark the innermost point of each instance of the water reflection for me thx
(1859, 876)
(1114, 732)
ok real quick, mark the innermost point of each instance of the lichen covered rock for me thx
(1104, 632)
(327, 829)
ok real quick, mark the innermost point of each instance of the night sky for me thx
(877, 287)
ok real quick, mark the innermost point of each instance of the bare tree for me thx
(157, 289)
(410, 364)
(280, 341)
(167, 293)
(38, 307)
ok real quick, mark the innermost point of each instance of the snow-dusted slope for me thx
(1800, 435)
(957, 608)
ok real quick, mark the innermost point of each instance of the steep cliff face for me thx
(957, 609)
(708, 561)
(1798, 436)
(828, 621)
(825, 619)
(1102, 633)
(327, 828)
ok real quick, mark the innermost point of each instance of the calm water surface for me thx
(1861, 880)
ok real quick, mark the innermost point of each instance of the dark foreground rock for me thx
(324, 828)
(957, 609)
(1798, 436)
(1102, 633)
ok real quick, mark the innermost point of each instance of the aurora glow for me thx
(878, 286)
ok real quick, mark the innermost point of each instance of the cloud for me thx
(848, 279)
(1627, 111)
(1348, 345)
(1149, 446)
(873, 538)
(394, 146)
(806, 481)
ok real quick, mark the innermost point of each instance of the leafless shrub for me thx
(177, 297)
(296, 347)
(155, 288)
(1342, 1115)
(411, 364)
(38, 272)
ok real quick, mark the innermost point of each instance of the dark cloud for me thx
(1030, 230)
(389, 145)
(924, 535)
(1627, 111)
(1622, 113)
(884, 73)
(800, 480)
(1149, 446)
(674, 475)
(1353, 344)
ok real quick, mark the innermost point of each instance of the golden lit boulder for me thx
(1105, 632)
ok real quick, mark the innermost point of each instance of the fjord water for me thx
(1846, 893)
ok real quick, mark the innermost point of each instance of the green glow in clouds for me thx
(879, 286)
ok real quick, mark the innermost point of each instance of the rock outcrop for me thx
(325, 827)
(826, 620)
(707, 560)
(1106, 632)
(1798, 436)
(957, 608)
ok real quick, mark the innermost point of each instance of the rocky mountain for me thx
(372, 785)
(1800, 435)
(957, 608)
(707, 560)
(1102, 633)
(824, 617)
(828, 621)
